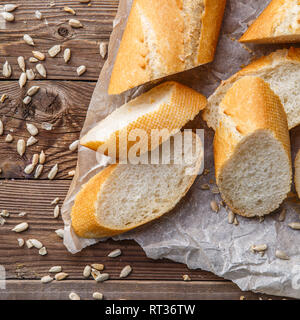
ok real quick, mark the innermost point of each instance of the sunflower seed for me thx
(43, 251)
(61, 276)
(36, 243)
(9, 138)
(98, 266)
(33, 90)
(87, 271)
(27, 100)
(67, 55)
(214, 206)
(74, 296)
(125, 271)
(33, 59)
(114, 253)
(295, 225)
(38, 15)
(98, 296)
(21, 227)
(41, 70)
(35, 159)
(30, 74)
(53, 172)
(21, 147)
(74, 145)
(204, 186)
(55, 201)
(29, 244)
(3, 97)
(81, 70)
(60, 233)
(22, 79)
(102, 277)
(21, 63)
(259, 248)
(2, 221)
(4, 213)
(28, 39)
(10, 7)
(47, 126)
(74, 23)
(32, 129)
(6, 71)
(8, 16)
(38, 171)
(71, 173)
(1, 128)
(281, 255)
(21, 242)
(56, 211)
(22, 214)
(186, 277)
(46, 279)
(55, 50)
(42, 157)
(231, 217)
(29, 168)
(103, 49)
(55, 269)
(69, 10)
(235, 221)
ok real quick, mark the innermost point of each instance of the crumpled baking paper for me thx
(192, 233)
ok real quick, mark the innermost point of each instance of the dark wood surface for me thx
(64, 104)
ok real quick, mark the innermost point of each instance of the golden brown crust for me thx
(297, 173)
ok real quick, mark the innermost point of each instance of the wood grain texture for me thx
(54, 29)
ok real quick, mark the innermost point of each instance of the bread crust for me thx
(297, 173)
(163, 21)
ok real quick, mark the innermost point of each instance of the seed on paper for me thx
(38, 171)
(6, 71)
(21, 147)
(214, 206)
(28, 39)
(55, 269)
(74, 145)
(43, 251)
(8, 16)
(29, 168)
(21, 227)
(10, 7)
(30, 74)
(74, 23)
(38, 15)
(53, 172)
(60, 233)
(42, 157)
(61, 276)
(55, 201)
(74, 296)
(97, 296)
(32, 129)
(33, 90)
(295, 225)
(56, 211)
(114, 253)
(103, 49)
(46, 279)
(27, 100)
(31, 141)
(21, 242)
(81, 70)
(41, 70)
(69, 10)
(55, 50)
(21, 63)
(3, 97)
(87, 271)
(125, 271)
(9, 138)
(281, 255)
(36, 243)
(22, 79)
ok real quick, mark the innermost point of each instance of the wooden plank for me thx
(54, 29)
(128, 290)
(60, 103)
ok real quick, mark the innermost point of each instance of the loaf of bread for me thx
(297, 173)
(125, 196)
(149, 120)
(252, 149)
(164, 37)
(278, 23)
(281, 70)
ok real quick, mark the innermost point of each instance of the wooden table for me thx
(63, 101)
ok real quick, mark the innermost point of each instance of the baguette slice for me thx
(164, 37)
(297, 173)
(281, 70)
(252, 149)
(153, 116)
(125, 196)
(278, 23)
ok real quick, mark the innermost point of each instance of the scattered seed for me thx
(2, 221)
(10, 7)
(74, 296)
(98, 296)
(42, 157)
(38, 171)
(4, 213)
(21, 242)
(67, 55)
(125, 271)
(21, 63)
(21, 147)
(55, 269)
(231, 217)
(43, 251)
(8, 16)
(21, 227)
(281, 255)
(295, 225)
(36, 243)
(29, 168)
(3, 97)
(186, 277)
(33, 59)
(1, 128)
(47, 126)
(235, 221)
(28, 39)
(103, 49)
(71, 173)
(61, 276)
(74, 23)
(9, 138)
(22, 79)
(81, 70)
(33, 90)
(29, 244)
(56, 211)
(55, 201)
(53, 172)
(87, 271)
(115, 253)
(60, 233)
(27, 100)
(35, 159)
(6, 71)
(98, 266)
(259, 248)
(102, 277)
(30, 74)
(41, 70)
(69, 10)
(214, 206)
(32, 129)
(205, 186)
(95, 274)
(74, 145)
(22, 214)
(38, 15)
(46, 279)
(55, 50)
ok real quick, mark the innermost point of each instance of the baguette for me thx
(164, 37)
(281, 70)
(153, 116)
(252, 149)
(125, 196)
(297, 173)
(278, 23)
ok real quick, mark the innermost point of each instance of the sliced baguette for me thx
(281, 70)
(153, 117)
(278, 23)
(297, 173)
(252, 149)
(163, 37)
(125, 196)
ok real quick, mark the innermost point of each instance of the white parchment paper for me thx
(192, 233)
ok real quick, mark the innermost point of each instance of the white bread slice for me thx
(278, 23)
(297, 173)
(252, 149)
(281, 70)
(164, 37)
(125, 196)
(158, 113)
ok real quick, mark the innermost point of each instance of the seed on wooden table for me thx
(81, 70)
(38, 171)
(71, 173)
(95, 274)
(259, 248)
(33, 59)
(102, 277)
(27, 100)
(6, 71)
(60, 233)
(214, 206)
(53, 172)
(30, 74)
(29, 244)
(56, 211)
(29, 168)
(186, 277)
(28, 39)
(74, 296)
(2, 221)
(98, 296)
(8, 16)
(67, 55)
(55, 269)
(87, 271)
(33, 90)
(21, 242)
(74, 23)
(21, 63)
(22, 214)
(4, 213)
(115, 253)
(74, 145)
(41, 70)
(35, 159)
(46, 279)
(43, 251)
(55, 201)
(98, 266)
(22, 79)
(281, 255)
(4, 96)
(21, 227)
(125, 271)
(1, 128)
(32, 129)
(295, 225)
(42, 157)
(38, 15)
(21, 146)
(31, 141)
(69, 10)
(103, 49)
(55, 50)
(36, 243)
(10, 7)
(9, 138)
(61, 276)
